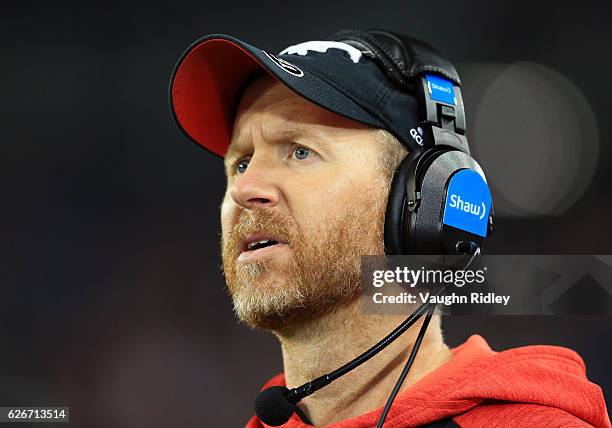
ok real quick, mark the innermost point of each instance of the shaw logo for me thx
(468, 202)
(468, 207)
(441, 89)
(434, 86)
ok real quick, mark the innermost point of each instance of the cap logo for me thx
(322, 46)
(285, 65)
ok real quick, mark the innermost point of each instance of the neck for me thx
(322, 345)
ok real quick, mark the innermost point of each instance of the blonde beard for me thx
(322, 274)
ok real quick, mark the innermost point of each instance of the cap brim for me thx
(208, 78)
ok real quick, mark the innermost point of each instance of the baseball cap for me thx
(212, 73)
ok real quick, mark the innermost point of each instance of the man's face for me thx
(305, 199)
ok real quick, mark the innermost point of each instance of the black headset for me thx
(439, 201)
(418, 217)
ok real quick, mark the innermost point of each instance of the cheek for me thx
(350, 186)
(227, 211)
(330, 196)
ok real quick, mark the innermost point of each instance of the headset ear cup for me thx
(426, 228)
(394, 234)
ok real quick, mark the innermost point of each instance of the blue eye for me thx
(242, 165)
(301, 153)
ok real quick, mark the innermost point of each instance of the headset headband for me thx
(419, 69)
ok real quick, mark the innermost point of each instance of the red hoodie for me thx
(533, 386)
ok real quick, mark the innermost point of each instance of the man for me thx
(311, 139)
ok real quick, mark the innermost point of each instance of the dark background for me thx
(112, 298)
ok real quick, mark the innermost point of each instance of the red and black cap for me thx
(209, 78)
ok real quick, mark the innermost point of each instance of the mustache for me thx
(256, 220)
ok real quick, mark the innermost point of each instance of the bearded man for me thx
(311, 139)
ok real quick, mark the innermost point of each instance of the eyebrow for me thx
(278, 135)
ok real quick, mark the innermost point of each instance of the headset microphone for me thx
(275, 405)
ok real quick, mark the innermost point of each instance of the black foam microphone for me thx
(273, 407)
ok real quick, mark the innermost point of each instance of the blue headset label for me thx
(441, 89)
(468, 202)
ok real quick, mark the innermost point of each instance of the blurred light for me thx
(534, 133)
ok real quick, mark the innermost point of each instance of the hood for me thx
(479, 386)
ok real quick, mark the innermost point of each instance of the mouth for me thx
(258, 245)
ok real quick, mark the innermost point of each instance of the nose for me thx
(256, 187)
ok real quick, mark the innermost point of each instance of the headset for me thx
(439, 200)
(418, 219)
